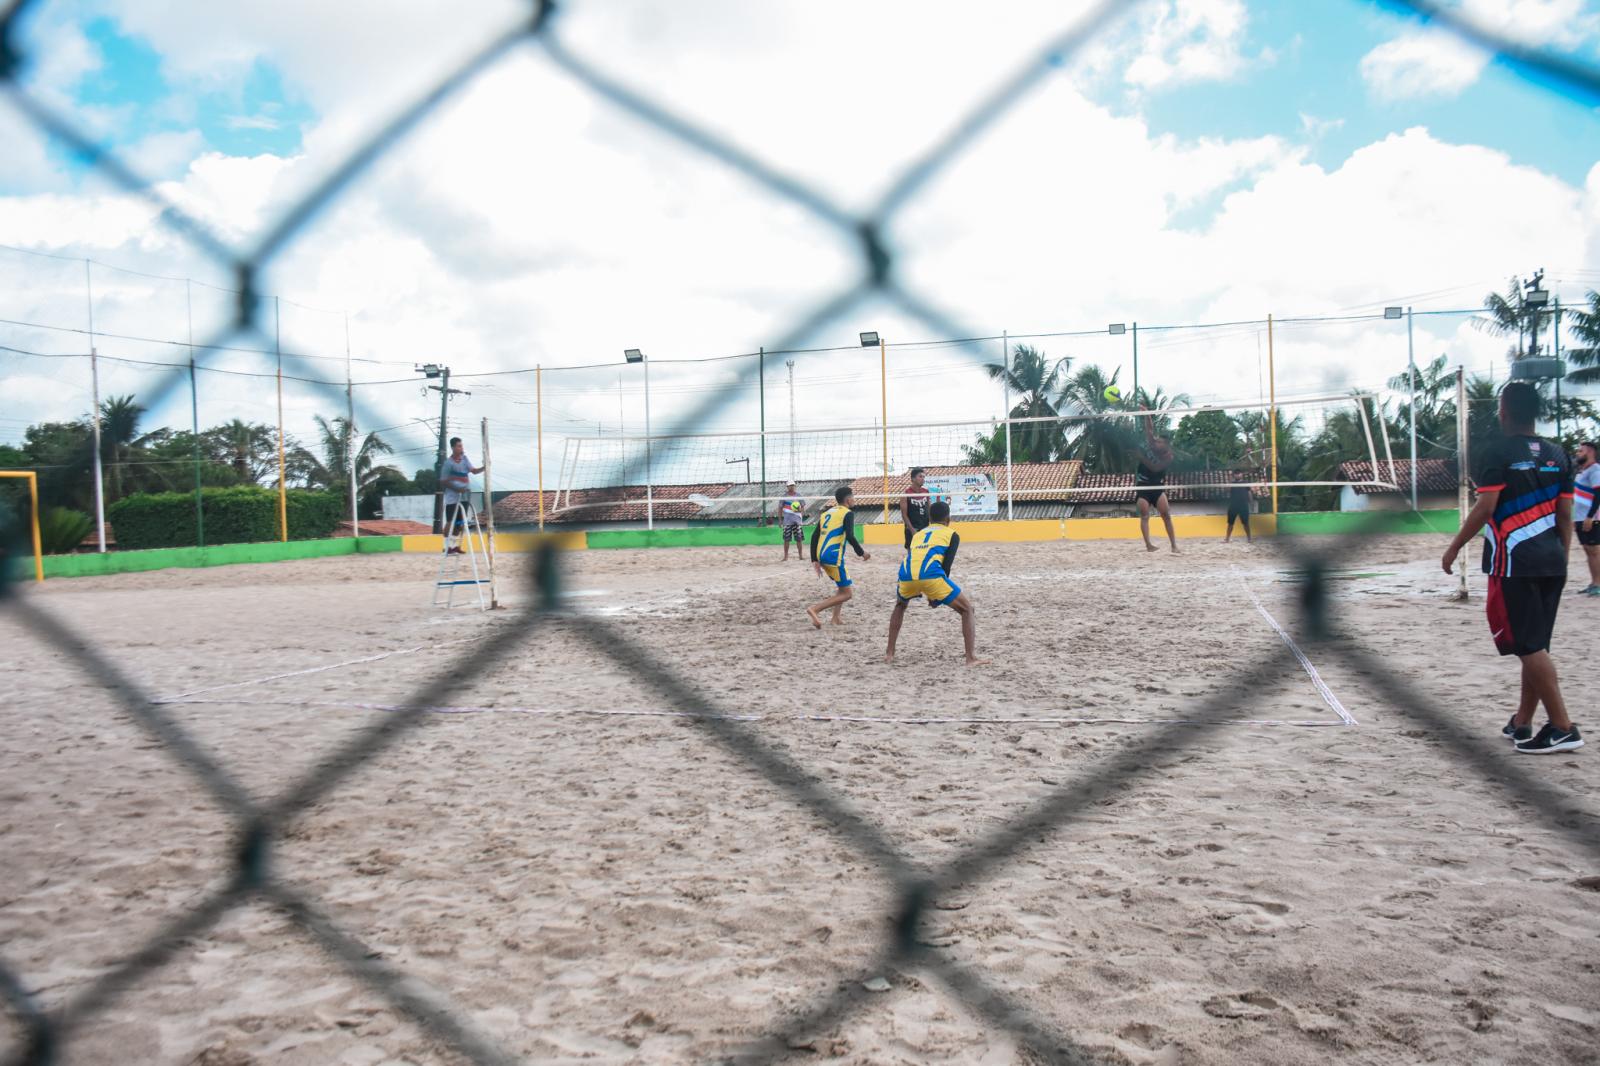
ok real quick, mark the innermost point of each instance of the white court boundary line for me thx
(854, 719)
(1345, 717)
(182, 697)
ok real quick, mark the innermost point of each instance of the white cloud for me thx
(1420, 64)
(1545, 23)
(1423, 63)
(1198, 40)
(529, 222)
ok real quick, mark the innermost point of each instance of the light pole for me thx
(1393, 314)
(1117, 329)
(433, 371)
(634, 355)
(868, 340)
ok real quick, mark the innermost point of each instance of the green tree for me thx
(330, 470)
(249, 448)
(1435, 385)
(120, 442)
(1583, 326)
(1036, 381)
(1103, 444)
(1209, 439)
(387, 482)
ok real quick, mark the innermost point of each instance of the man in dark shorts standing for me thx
(792, 513)
(1149, 483)
(914, 507)
(1525, 511)
(1586, 511)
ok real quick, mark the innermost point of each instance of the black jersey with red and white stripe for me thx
(1531, 475)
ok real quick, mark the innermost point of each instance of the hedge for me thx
(237, 515)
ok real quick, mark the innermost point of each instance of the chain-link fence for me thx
(260, 824)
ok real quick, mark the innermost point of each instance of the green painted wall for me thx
(93, 564)
(699, 537)
(1321, 523)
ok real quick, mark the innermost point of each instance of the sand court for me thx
(587, 875)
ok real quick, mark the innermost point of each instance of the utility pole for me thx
(763, 403)
(432, 371)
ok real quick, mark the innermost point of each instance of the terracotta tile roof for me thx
(384, 527)
(625, 503)
(1031, 481)
(1433, 475)
(1182, 486)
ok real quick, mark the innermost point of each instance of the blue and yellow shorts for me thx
(939, 590)
(836, 574)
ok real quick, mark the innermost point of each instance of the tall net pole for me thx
(94, 398)
(1463, 446)
(538, 436)
(1272, 416)
(1005, 392)
(283, 498)
(194, 417)
(488, 511)
(762, 355)
(1411, 375)
(350, 430)
(883, 387)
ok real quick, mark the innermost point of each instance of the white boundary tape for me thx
(1345, 717)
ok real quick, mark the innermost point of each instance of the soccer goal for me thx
(32, 481)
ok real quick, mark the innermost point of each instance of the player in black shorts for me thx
(914, 506)
(1525, 511)
(1149, 484)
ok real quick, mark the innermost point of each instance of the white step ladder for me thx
(472, 546)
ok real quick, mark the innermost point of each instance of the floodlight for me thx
(633, 355)
(869, 340)
(1117, 329)
(1393, 312)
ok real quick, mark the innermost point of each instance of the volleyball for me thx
(1112, 394)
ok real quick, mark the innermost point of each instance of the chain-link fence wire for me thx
(258, 825)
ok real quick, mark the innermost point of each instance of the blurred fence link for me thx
(46, 1032)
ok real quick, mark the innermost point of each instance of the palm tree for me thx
(1436, 415)
(331, 470)
(251, 448)
(1506, 316)
(1583, 325)
(1037, 383)
(1103, 444)
(119, 437)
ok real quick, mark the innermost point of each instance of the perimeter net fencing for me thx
(49, 1023)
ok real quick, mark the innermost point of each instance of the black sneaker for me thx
(1516, 733)
(1550, 739)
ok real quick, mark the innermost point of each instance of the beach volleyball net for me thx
(1309, 448)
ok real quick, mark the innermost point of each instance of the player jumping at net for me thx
(925, 571)
(1150, 484)
(1525, 510)
(1586, 511)
(835, 529)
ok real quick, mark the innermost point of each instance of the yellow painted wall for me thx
(1043, 529)
(507, 543)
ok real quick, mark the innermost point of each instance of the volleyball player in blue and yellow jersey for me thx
(925, 571)
(835, 530)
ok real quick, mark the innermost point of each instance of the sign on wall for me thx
(968, 494)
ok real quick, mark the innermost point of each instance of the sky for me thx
(1211, 161)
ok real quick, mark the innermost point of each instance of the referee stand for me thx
(463, 542)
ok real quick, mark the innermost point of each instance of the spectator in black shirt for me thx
(1524, 507)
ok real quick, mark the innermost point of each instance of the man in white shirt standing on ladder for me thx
(455, 478)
